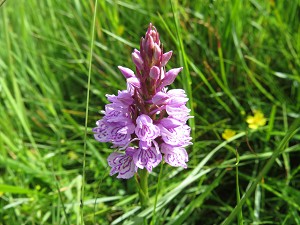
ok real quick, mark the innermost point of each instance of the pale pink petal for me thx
(137, 59)
(166, 57)
(126, 72)
(154, 72)
(147, 158)
(101, 133)
(145, 129)
(122, 164)
(170, 77)
(174, 156)
(160, 98)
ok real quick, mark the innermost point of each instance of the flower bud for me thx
(126, 72)
(150, 49)
(157, 52)
(170, 77)
(137, 59)
(160, 98)
(134, 81)
(166, 57)
(148, 45)
(154, 72)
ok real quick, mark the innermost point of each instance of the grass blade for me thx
(281, 147)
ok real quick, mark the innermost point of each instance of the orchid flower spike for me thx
(146, 123)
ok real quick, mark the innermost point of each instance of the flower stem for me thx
(143, 186)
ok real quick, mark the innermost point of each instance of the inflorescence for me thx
(147, 122)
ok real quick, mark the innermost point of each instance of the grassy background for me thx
(238, 56)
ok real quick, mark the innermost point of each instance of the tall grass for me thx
(238, 56)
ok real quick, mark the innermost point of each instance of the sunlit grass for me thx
(237, 57)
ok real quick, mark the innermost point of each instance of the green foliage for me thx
(238, 56)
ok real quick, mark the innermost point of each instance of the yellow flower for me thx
(228, 133)
(256, 121)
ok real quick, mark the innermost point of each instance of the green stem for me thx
(143, 186)
(156, 195)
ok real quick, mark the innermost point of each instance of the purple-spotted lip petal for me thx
(117, 133)
(130, 151)
(123, 99)
(143, 120)
(147, 158)
(175, 156)
(122, 164)
(113, 158)
(145, 130)
(127, 129)
(178, 136)
(100, 132)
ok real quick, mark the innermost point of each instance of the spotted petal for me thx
(145, 129)
(147, 157)
(115, 113)
(122, 164)
(123, 99)
(181, 113)
(174, 156)
(120, 135)
(101, 133)
(178, 136)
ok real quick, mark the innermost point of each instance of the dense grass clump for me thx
(239, 57)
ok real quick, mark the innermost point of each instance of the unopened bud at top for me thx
(150, 47)
(152, 32)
